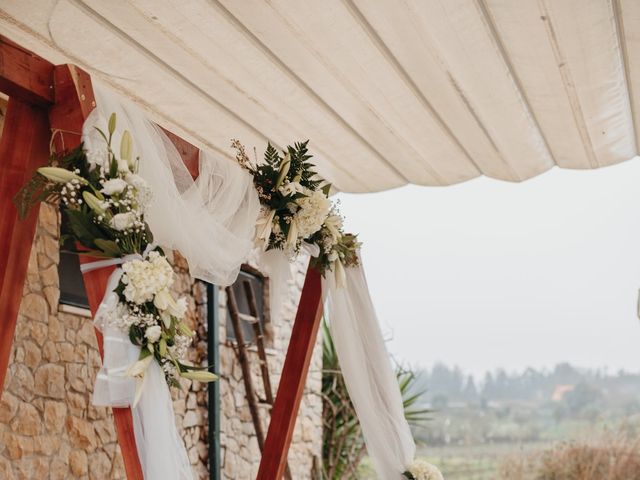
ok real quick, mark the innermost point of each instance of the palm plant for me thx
(343, 445)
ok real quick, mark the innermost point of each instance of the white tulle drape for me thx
(368, 374)
(211, 221)
(160, 449)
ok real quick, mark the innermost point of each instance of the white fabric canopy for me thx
(429, 92)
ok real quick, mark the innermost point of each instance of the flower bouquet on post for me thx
(103, 201)
(296, 210)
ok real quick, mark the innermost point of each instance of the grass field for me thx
(478, 462)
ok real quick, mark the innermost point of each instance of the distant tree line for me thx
(445, 384)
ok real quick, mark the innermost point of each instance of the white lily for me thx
(126, 149)
(163, 300)
(265, 225)
(60, 175)
(137, 370)
(284, 169)
(166, 318)
(333, 223)
(94, 202)
(199, 375)
(292, 237)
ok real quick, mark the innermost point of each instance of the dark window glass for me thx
(72, 290)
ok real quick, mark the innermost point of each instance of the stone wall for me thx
(48, 427)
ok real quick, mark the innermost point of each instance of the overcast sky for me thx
(490, 274)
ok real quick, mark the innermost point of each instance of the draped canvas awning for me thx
(389, 92)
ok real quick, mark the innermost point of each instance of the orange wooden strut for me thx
(293, 378)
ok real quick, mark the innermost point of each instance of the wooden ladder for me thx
(253, 319)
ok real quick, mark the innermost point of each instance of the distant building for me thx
(560, 391)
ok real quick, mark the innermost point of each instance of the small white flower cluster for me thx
(70, 192)
(312, 211)
(180, 347)
(421, 470)
(129, 196)
(144, 279)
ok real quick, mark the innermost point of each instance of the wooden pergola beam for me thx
(24, 146)
(293, 379)
(25, 76)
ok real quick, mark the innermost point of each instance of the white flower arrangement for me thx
(297, 211)
(421, 470)
(153, 318)
(103, 202)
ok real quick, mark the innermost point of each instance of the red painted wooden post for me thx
(74, 102)
(293, 378)
(24, 75)
(27, 79)
(24, 146)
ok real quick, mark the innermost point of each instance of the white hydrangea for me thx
(422, 470)
(144, 278)
(312, 212)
